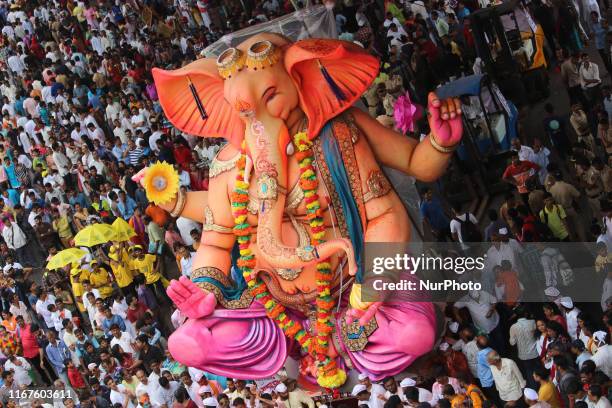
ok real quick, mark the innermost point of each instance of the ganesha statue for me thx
(293, 197)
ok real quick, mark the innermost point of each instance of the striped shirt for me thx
(135, 155)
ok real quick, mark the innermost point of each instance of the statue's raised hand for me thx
(190, 299)
(445, 120)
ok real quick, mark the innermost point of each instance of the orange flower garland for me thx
(329, 375)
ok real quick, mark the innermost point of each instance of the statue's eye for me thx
(269, 94)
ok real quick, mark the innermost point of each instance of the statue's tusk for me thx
(290, 149)
(248, 167)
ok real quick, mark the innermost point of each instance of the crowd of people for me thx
(80, 117)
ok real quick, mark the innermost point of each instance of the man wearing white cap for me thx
(293, 399)
(210, 402)
(424, 395)
(552, 293)
(531, 399)
(363, 395)
(503, 248)
(603, 358)
(377, 392)
(571, 316)
(206, 392)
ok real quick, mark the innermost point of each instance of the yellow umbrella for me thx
(123, 230)
(65, 257)
(95, 234)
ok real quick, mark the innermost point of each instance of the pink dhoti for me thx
(245, 343)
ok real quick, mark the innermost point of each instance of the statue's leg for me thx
(240, 343)
(406, 328)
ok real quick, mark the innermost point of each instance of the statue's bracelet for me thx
(180, 204)
(439, 147)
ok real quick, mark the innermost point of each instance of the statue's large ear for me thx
(330, 76)
(181, 106)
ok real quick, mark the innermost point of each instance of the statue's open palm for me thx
(190, 299)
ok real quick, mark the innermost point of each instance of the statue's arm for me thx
(213, 258)
(194, 203)
(403, 153)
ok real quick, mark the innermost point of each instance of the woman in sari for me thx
(9, 169)
(137, 222)
(552, 313)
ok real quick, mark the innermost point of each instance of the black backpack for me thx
(543, 231)
(469, 230)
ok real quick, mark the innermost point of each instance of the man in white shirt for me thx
(42, 308)
(424, 395)
(147, 387)
(16, 240)
(362, 394)
(119, 394)
(166, 391)
(522, 335)
(571, 316)
(396, 32)
(119, 132)
(112, 110)
(391, 388)
(30, 127)
(481, 305)
(8, 31)
(123, 339)
(377, 392)
(525, 153)
(16, 65)
(155, 136)
(20, 368)
(467, 345)
(390, 20)
(77, 133)
(603, 359)
(508, 379)
(460, 217)
(185, 226)
(192, 388)
(138, 121)
(95, 133)
(589, 79)
(25, 141)
(541, 154)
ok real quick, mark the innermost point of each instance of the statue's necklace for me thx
(329, 375)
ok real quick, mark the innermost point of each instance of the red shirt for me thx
(521, 172)
(75, 377)
(28, 342)
(133, 315)
(182, 155)
(512, 286)
(529, 226)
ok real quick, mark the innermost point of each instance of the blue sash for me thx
(335, 164)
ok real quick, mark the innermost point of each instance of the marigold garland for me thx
(329, 375)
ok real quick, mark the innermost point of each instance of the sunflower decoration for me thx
(161, 182)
